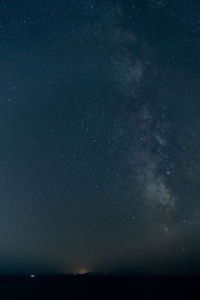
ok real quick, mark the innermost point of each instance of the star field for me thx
(99, 124)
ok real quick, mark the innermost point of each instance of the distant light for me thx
(32, 275)
(82, 271)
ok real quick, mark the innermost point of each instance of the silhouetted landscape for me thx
(98, 286)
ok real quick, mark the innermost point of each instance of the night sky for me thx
(100, 136)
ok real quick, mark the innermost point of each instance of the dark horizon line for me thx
(40, 275)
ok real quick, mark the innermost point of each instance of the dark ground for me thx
(99, 287)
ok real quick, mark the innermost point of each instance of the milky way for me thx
(154, 155)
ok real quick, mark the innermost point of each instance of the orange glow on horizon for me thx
(82, 271)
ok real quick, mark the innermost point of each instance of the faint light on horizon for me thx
(81, 271)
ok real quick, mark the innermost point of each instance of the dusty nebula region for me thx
(157, 132)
